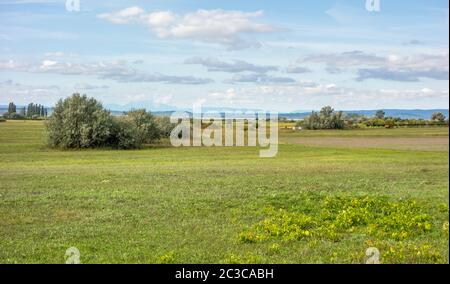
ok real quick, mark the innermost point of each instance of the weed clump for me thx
(337, 216)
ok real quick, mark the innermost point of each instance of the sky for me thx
(284, 55)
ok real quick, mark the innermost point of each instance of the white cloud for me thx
(162, 99)
(259, 79)
(160, 19)
(54, 54)
(346, 59)
(87, 86)
(26, 93)
(297, 69)
(360, 58)
(391, 67)
(309, 95)
(228, 95)
(124, 16)
(212, 26)
(118, 71)
(215, 65)
(47, 64)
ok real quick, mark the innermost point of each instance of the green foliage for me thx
(376, 217)
(13, 116)
(380, 114)
(407, 252)
(389, 123)
(438, 116)
(35, 110)
(133, 130)
(398, 122)
(79, 122)
(12, 108)
(445, 229)
(2, 119)
(327, 118)
(124, 135)
(168, 258)
(165, 126)
(147, 129)
(244, 259)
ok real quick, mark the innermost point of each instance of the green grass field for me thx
(310, 204)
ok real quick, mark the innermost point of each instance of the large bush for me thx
(327, 118)
(81, 122)
(133, 130)
(2, 119)
(438, 116)
(165, 126)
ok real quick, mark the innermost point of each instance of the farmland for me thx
(326, 198)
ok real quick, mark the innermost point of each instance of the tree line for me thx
(328, 118)
(32, 111)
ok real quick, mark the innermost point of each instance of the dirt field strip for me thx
(397, 143)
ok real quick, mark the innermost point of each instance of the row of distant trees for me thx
(328, 118)
(32, 111)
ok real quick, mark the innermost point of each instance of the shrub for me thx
(124, 135)
(389, 123)
(79, 122)
(2, 119)
(327, 118)
(375, 217)
(165, 126)
(13, 115)
(168, 258)
(445, 228)
(147, 128)
(438, 116)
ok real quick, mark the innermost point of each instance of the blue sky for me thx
(274, 55)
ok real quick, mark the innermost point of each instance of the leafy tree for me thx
(78, 122)
(165, 126)
(389, 123)
(380, 114)
(36, 110)
(327, 118)
(146, 125)
(12, 108)
(438, 116)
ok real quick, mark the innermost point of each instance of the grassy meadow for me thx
(314, 203)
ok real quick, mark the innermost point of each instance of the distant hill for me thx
(165, 110)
